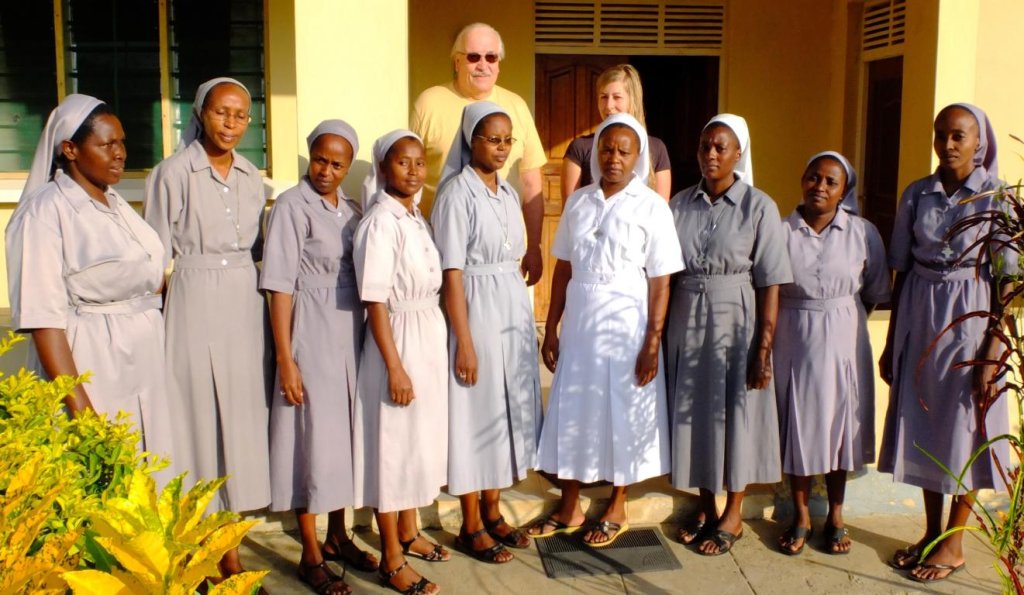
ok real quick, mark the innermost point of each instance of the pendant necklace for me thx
(598, 232)
(508, 217)
(709, 231)
(119, 220)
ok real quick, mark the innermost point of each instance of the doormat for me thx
(638, 550)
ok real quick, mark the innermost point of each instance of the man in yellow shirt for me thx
(437, 117)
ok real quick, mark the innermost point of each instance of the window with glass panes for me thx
(143, 57)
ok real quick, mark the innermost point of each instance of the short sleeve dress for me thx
(824, 371)
(931, 404)
(724, 435)
(95, 271)
(400, 454)
(216, 321)
(599, 424)
(495, 424)
(308, 254)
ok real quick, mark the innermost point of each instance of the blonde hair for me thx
(630, 79)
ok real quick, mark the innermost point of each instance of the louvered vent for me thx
(884, 26)
(664, 26)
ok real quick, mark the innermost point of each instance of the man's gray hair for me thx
(460, 40)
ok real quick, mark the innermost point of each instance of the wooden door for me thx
(882, 143)
(566, 108)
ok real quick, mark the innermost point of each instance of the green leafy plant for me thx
(79, 508)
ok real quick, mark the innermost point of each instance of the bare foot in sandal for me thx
(422, 547)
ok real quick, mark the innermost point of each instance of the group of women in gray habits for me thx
(695, 349)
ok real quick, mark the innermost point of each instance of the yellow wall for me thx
(350, 63)
(434, 24)
(999, 87)
(783, 71)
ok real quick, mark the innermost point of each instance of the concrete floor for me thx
(753, 566)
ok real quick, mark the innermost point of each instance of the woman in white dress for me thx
(607, 417)
(86, 273)
(400, 417)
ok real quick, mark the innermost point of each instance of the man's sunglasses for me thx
(474, 57)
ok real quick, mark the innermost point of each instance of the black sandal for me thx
(723, 540)
(417, 588)
(906, 558)
(792, 534)
(697, 528)
(464, 543)
(363, 560)
(328, 579)
(516, 538)
(834, 537)
(435, 555)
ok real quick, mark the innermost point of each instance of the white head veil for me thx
(62, 124)
(374, 184)
(194, 128)
(744, 170)
(642, 167)
(849, 202)
(461, 151)
(337, 127)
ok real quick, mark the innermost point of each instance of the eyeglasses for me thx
(225, 116)
(496, 141)
(474, 57)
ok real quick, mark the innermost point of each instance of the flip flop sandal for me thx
(435, 555)
(516, 538)
(723, 540)
(328, 579)
(604, 528)
(697, 528)
(559, 527)
(464, 543)
(364, 561)
(906, 558)
(834, 537)
(791, 535)
(417, 588)
(952, 570)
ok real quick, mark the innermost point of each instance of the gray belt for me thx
(323, 281)
(230, 260)
(706, 283)
(492, 268)
(817, 305)
(130, 306)
(940, 275)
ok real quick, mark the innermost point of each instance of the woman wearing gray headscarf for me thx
(317, 320)
(934, 406)
(85, 273)
(824, 372)
(494, 384)
(206, 202)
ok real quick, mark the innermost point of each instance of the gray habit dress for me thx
(494, 425)
(215, 321)
(932, 408)
(308, 254)
(95, 272)
(824, 371)
(723, 434)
